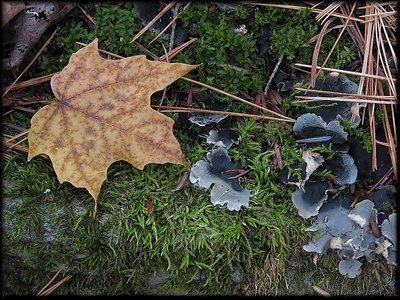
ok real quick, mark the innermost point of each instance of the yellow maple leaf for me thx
(103, 115)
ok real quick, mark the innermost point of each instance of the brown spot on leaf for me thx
(109, 106)
(90, 130)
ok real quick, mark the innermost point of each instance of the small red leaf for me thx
(258, 102)
(263, 102)
(277, 159)
(189, 100)
(235, 171)
(150, 206)
(274, 97)
(374, 227)
(274, 101)
(247, 96)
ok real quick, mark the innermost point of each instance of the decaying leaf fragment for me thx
(362, 212)
(103, 115)
(313, 161)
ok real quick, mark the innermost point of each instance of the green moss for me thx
(360, 132)
(221, 51)
(184, 234)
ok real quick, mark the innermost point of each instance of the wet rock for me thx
(200, 277)
(389, 281)
(179, 292)
(226, 6)
(79, 210)
(10, 204)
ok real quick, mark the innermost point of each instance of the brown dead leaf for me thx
(103, 115)
(320, 291)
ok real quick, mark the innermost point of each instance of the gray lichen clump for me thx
(310, 126)
(349, 232)
(352, 232)
(215, 173)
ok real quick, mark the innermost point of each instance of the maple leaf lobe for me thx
(103, 115)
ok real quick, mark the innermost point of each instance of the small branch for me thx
(273, 75)
(347, 94)
(16, 144)
(334, 45)
(238, 98)
(220, 91)
(171, 54)
(51, 280)
(90, 18)
(380, 181)
(18, 135)
(296, 7)
(172, 37)
(169, 24)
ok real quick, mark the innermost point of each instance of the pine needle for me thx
(29, 83)
(155, 19)
(217, 112)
